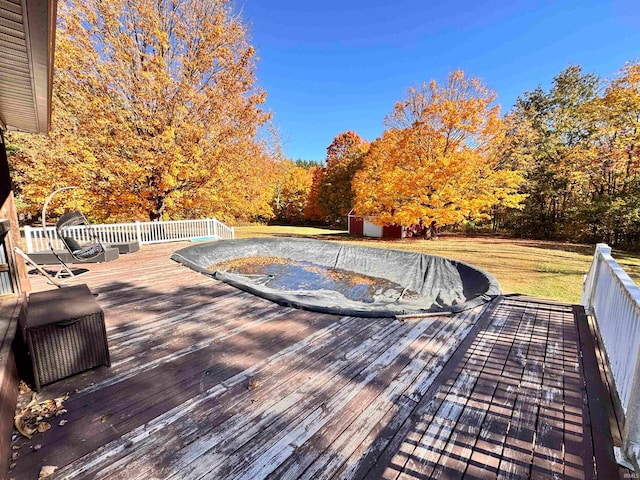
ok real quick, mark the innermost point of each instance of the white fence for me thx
(614, 300)
(143, 232)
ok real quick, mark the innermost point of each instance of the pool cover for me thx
(412, 283)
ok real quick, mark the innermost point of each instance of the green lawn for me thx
(540, 268)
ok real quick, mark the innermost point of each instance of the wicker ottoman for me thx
(65, 333)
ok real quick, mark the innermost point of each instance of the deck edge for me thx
(598, 402)
(9, 312)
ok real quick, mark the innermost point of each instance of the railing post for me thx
(139, 232)
(233, 233)
(603, 248)
(587, 301)
(27, 237)
(208, 227)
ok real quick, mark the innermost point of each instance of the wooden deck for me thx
(210, 382)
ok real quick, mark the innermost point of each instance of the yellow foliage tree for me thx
(611, 162)
(155, 113)
(438, 161)
(291, 191)
(617, 132)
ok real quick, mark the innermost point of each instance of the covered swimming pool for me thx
(341, 278)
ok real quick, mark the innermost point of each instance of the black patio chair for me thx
(70, 223)
(65, 226)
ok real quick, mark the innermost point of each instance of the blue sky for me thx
(331, 66)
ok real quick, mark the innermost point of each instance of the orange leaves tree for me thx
(291, 189)
(344, 159)
(439, 160)
(313, 210)
(156, 111)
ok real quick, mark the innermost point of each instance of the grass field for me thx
(540, 268)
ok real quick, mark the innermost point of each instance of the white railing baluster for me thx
(139, 232)
(28, 238)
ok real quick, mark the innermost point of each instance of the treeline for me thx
(578, 145)
(562, 164)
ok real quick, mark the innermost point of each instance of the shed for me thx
(359, 225)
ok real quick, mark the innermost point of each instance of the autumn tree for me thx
(577, 145)
(155, 111)
(344, 159)
(612, 212)
(313, 209)
(437, 161)
(549, 136)
(291, 191)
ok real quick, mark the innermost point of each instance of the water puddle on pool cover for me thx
(287, 274)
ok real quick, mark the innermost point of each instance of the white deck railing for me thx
(143, 232)
(614, 300)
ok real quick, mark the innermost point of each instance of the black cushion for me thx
(72, 243)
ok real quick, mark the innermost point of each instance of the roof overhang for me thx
(27, 37)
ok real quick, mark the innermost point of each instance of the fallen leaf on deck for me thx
(15, 455)
(46, 471)
(29, 418)
(25, 430)
(62, 422)
(23, 388)
(253, 384)
(43, 427)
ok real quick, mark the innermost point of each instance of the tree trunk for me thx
(155, 214)
(432, 231)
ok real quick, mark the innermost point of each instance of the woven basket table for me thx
(65, 333)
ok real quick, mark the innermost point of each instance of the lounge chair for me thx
(70, 223)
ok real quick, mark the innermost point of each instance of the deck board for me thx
(210, 382)
(348, 435)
